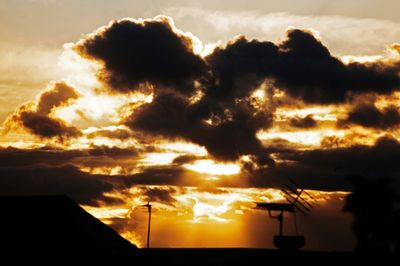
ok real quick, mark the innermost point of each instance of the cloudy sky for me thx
(200, 108)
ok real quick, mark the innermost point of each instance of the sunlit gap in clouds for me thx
(213, 168)
(309, 137)
(160, 158)
(318, 112)
(77, 70)
(93, 103)
(170, 151)
(214, 210)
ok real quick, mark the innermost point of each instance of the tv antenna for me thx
(295, 203)
(148, 206)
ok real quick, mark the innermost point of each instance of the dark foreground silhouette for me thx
(56, 230)
(375, 205)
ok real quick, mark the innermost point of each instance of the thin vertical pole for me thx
(148, 226)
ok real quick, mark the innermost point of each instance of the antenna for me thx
(295, 203)
(148, 206)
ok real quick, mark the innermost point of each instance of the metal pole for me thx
(148, 227)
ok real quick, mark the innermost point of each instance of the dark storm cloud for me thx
(52, 171)
(367, 115)
(305, 122)
(163, 175)
(240, 67)
(121, 134)
(328, 169)
(136, 52)
(47, 156)
(13, 157)
(153, 51)
(320, 169)
(183, 159)
(174, 117)
(37, 120)
(301, 65)
(125, 160)
(49, 171)
(112, 152)
(46, 127)
(164, 116)
(51, 180)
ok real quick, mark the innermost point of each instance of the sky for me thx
(201, 108)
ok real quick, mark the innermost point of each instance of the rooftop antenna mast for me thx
(148, 206)
(295, 203)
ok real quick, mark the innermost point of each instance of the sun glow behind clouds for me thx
(158, 158)
(215, 209)
(202, 210)
(91, 105)
(183, 147)
(213, 168)
(169, 151)
(78, 71)
(325, 113)
(309, 137)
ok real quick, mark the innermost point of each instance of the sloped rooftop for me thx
(44, 227)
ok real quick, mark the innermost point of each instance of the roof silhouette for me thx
(43, 228)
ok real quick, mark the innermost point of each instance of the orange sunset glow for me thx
(203, 112)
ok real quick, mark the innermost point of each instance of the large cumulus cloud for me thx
(134, 52)
(301, 65)
(222, 117)
(172, 116)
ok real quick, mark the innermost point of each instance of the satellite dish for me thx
(295, 203)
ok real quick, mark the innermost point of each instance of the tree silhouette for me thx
(374, 204)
